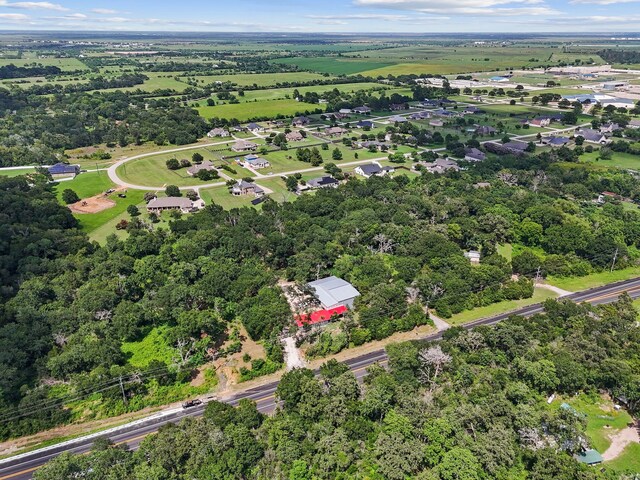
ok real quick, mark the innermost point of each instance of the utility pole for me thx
(615, 257)
(124, 397)
(538, 276)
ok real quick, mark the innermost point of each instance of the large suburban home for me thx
(335, 131)
(592, 136)
(554, 141)
(243, 187)
(63, 170)
(294, 136)
(205, 165)
(510, 148)
(364, 110)
(254, 161)
(244, 146)
(421, 115)
(380, 146)
(218, 132)
(301, 121)
(485, 130)
(397, 119)
(334, 292)
(609, 127)
(255, 128)
(365, 124)
(326, 181)
(159, 205)
(539, 122)
(474, 155)
(369, 170)
(441, 165)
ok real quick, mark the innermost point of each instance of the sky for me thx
(369, 16)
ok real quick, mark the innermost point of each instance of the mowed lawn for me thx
(628, 460)
(576, 284)
(258, 109)
(86, 184)
(618, 160)
(16, 172)
(539, 295)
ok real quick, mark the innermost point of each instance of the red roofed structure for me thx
(319, 316)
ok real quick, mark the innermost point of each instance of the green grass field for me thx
(628, 461)
(333, 65)
(575, 284)
(246, 111)
(16, 173)
(539, 295)
(259, 79)
(86, 184)
(618, 160)
(65, 64)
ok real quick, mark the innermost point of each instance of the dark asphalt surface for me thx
(264, 395)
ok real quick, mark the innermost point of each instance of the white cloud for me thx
(378, 16)
(104, 11)
(465, 7)
(36, 6)
(14, 17)
(601, 2)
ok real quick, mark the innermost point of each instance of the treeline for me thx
(12, 71)
(79, 120)
(97, 83)
(620, 55)
(471, 407)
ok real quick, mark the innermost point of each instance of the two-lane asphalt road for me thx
(23, 466)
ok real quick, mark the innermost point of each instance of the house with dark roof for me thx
(368, 170)
(326, 181)
(300, 121)
(510, 148)
(421, 115)
(365, 124)
(63, 170)
(397, 119)
(554, 141)
(255, 128)
(474, 155)
(441, 165)
(334, 292)
(364, 110)
(380, 146)
(485, 130)
(592, 136)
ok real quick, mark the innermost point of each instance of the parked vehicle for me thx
(191, 403)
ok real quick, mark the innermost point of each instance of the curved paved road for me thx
(23, 466)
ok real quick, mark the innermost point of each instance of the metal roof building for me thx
(333, 292)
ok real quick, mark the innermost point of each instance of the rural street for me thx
(21, 467)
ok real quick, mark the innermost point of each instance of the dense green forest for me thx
(469, 408)
(68, 305)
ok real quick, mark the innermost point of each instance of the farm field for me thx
(156, 81)
(281, 93)
(247, 111)
(260, 79)
(333, 65)
(65, 64)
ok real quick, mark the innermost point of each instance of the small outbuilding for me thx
(333, 292)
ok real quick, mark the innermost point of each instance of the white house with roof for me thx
(333, 292)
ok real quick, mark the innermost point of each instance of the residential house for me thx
(395, 107)
(205, 165)
(243, 187)
(255, 128)
(609, 127)
(326, 181)
(244, 146)
(474, 155)
(589, 457)
(344, 111)
(365, 124)
(294, 136)
(554, 141)
(420, 115)
(397, 119)
(60, 170)
(368, 170)
(364, 110)
(334, 292)
(592, 136)
(441, 165)
(300, 121)
(159, 205)
(540, 122)
(436, 123)
(634, 123)
(335, 131)
(510, 148)
(471, 109)
(485, 131)
(255, 162)
(218, 132)
(473, 256)
(380, 146)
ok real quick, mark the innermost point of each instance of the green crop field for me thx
(333, 65)
(65, 64)
(282, 93)
(246, 111)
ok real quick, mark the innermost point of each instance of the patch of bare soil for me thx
(94, 204)
(620, 440)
